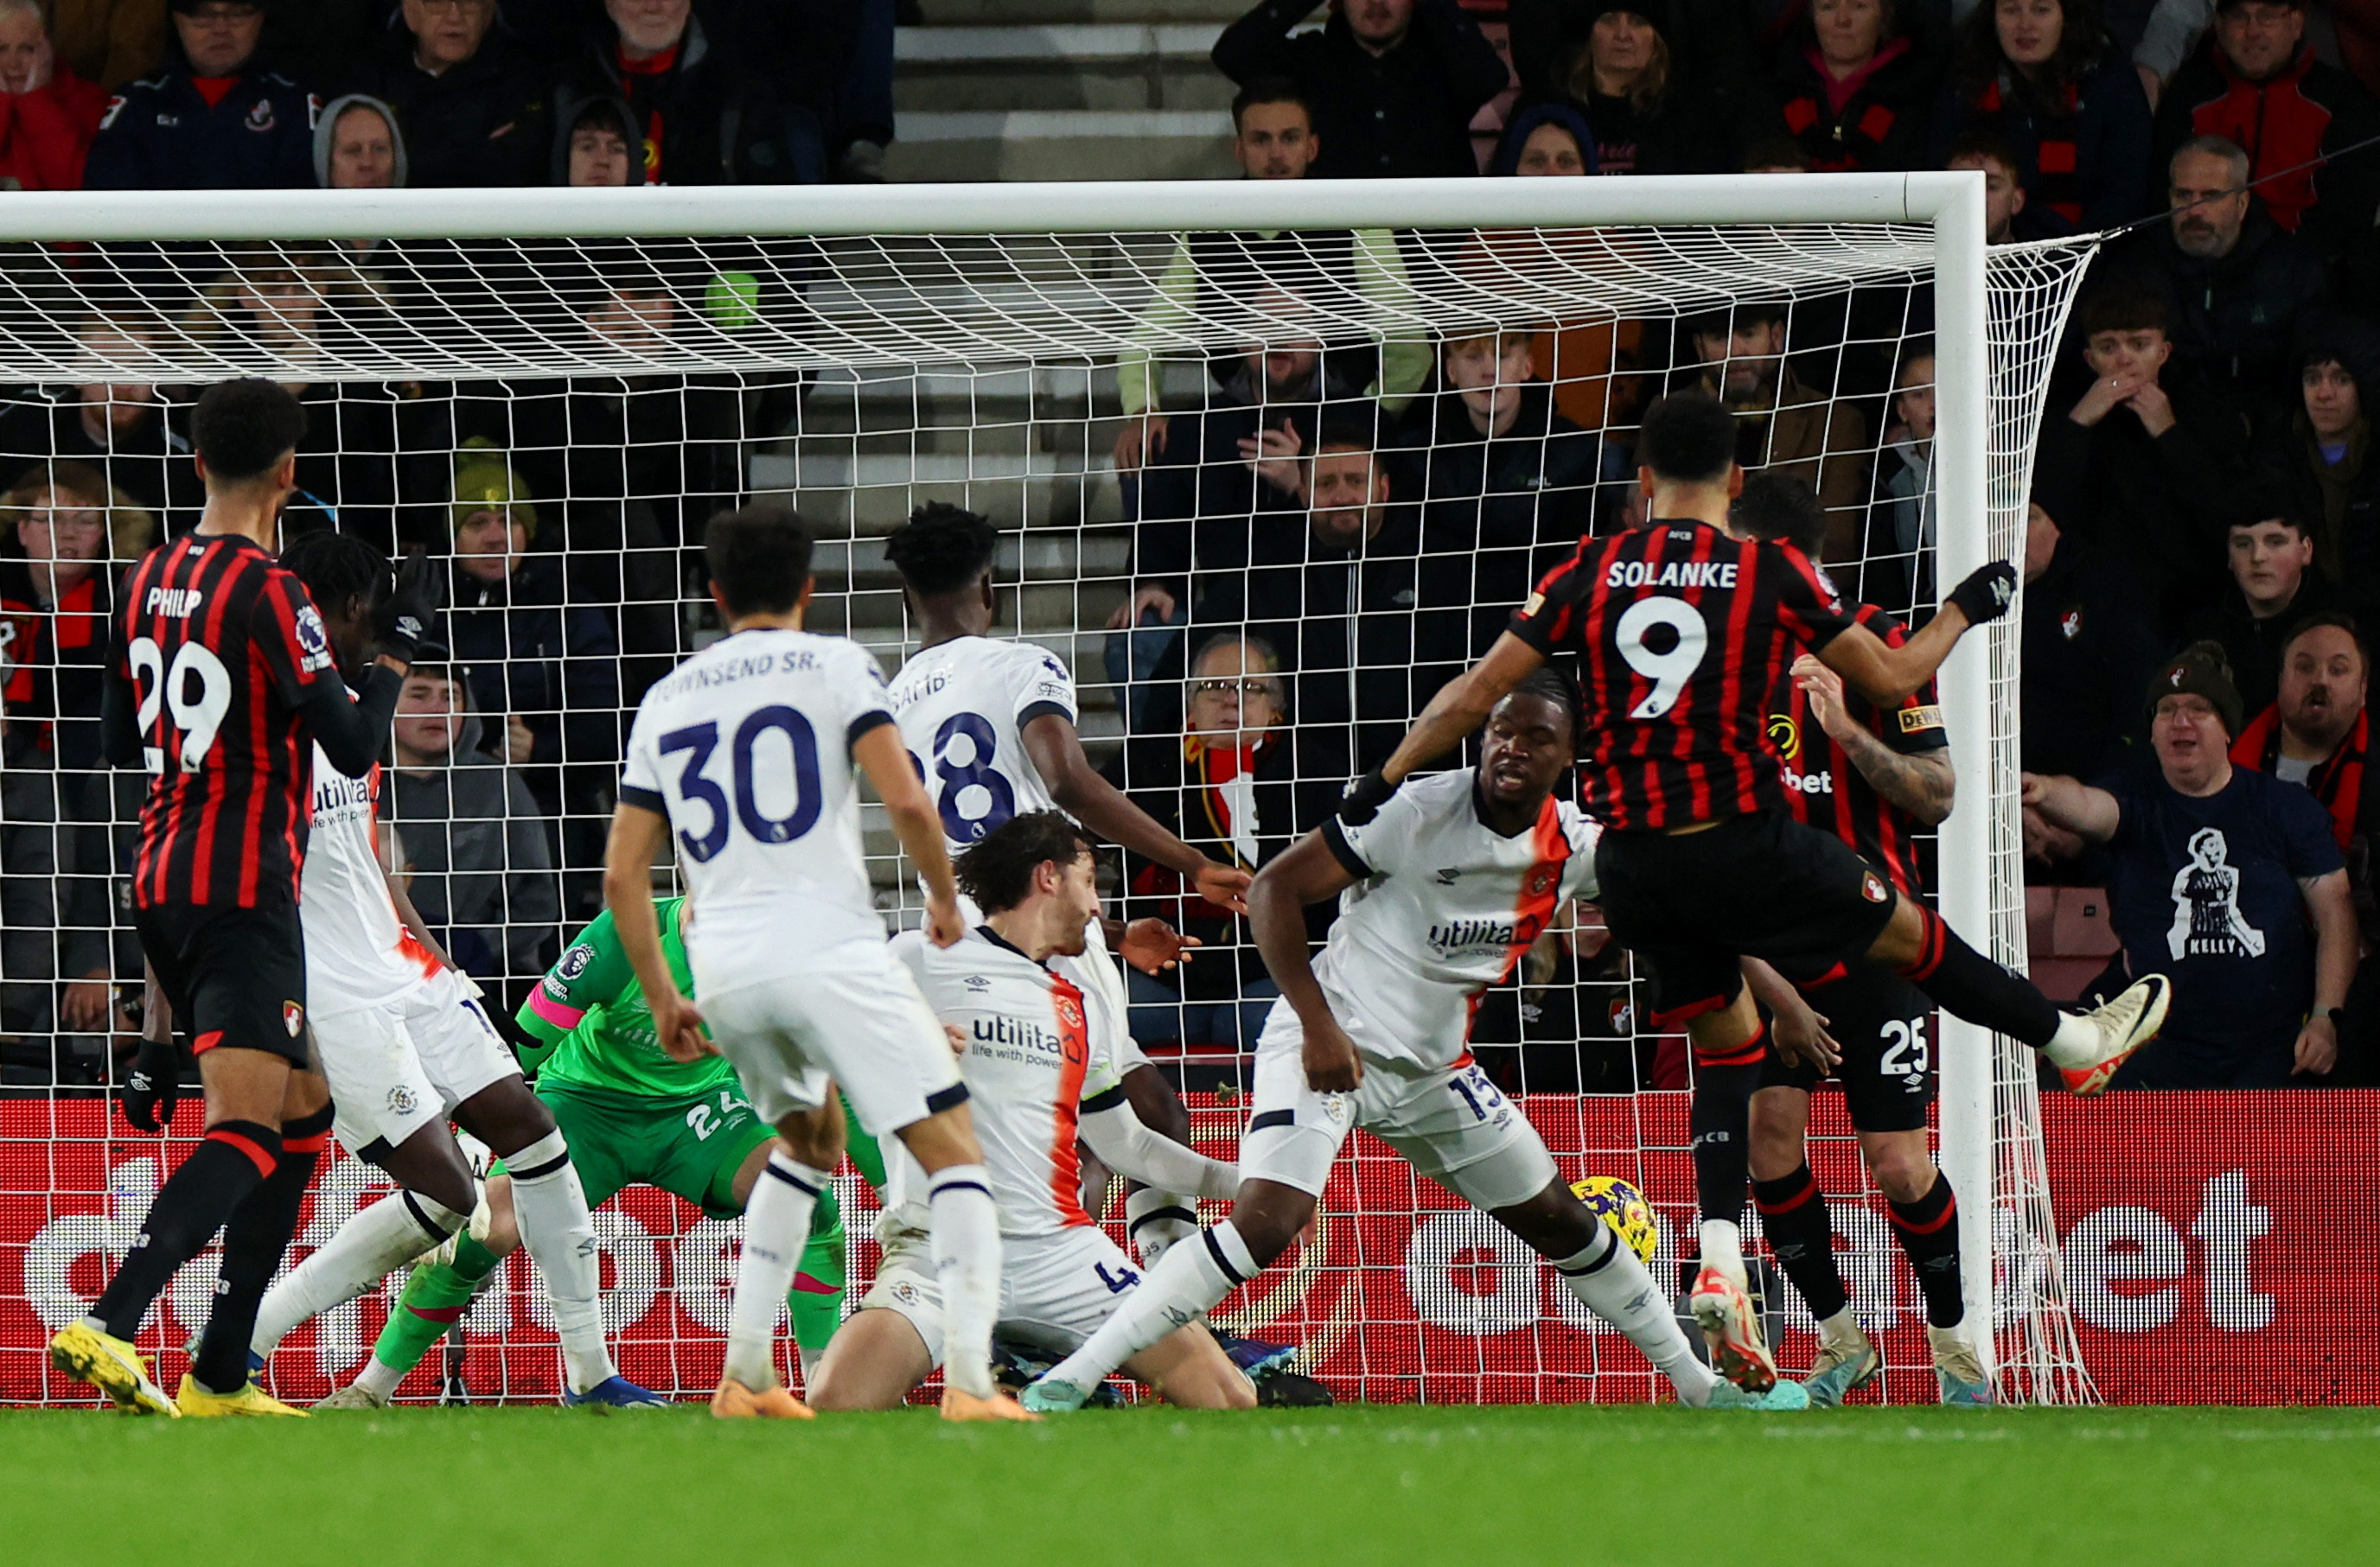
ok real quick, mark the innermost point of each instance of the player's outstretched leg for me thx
(2086, 1048)
(1611, 1280)
(1190, 1280)
(434, 1299)
(1793, 1212)
(776, 1227)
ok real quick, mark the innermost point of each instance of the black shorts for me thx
(1886, 1028)
(235, 976)
(1691, 905)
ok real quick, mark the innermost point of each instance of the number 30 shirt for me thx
(1685, 639)
(747, 750)
(1443, 906)
(962, 706)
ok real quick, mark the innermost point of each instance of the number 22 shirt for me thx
(962, 706)
(1684, 638)
(747, 750)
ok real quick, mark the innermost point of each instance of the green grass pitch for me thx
(1365, 1484)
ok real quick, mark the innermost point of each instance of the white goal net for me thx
(1268, 466)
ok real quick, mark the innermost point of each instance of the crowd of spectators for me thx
(1324, 522)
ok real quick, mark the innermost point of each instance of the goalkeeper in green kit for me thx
(630, 1113)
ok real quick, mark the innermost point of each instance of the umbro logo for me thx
(977, 983)
(1449, 875)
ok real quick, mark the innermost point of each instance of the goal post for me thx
(980, 281)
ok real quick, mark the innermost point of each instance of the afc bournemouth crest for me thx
(1872, 888)
(292, 1017)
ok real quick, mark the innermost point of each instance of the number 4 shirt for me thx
(962, 706)
(1685, 636)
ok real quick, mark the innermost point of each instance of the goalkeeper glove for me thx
(1364, 798)
(1986, 594)
(153, 1086)
(405, 618)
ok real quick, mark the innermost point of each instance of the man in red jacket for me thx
(48, 115)
(2256, 82)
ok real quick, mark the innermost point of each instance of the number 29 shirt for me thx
(1685, 636)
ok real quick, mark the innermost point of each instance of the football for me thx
(1622, 1206)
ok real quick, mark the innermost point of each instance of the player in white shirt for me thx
(1441, 895)
(991, 724)
(1041, 1057)
(406, 1045)
(749, 757)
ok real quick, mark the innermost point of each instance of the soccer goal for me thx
(1196, 411)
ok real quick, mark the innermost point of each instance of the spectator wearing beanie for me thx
(2321, 458)
(216, 118)
(473, 108)
(2227, 880)
(48, 115)
(2069, 107)
(1854, 91)
(1649, 115)
(1393, 83)
(2256, 83)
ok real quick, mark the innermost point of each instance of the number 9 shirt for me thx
(1684, 638)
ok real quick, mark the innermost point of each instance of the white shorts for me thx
(854, 1019)
(396, 1067)
(1054, 1290)
(1451, 1125)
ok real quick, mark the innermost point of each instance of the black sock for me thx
(229, 1162)
(254, 1238)
(1967, 984)
(1793, 1212)
(1928, 1229)
(1721, 1123)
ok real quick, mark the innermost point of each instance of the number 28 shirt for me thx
(962, 707)
(1685, 636)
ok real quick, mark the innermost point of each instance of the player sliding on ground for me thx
(1875, 777)
(991, 724)
(220, 682)
(632, 1114)
(1041, 1060)
(406, 1045)
(748, 756)
(1445, 890)
(1684, 635)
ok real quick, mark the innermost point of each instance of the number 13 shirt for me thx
(962, 706)
(1685, 636)
(747, 750)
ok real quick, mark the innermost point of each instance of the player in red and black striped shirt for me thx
(1873, 777)
(1685, 636)
(219, 681)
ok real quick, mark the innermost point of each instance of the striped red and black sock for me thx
(1966, 983)
(230, 1162)
(1928, 1229)
(1793, 1212)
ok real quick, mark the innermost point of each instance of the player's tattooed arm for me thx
(1306, 873)
(1923, 784)
(1461, 705)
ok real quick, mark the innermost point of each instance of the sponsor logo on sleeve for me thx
(313, 640)
(1916, 719)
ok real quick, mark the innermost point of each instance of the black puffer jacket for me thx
(2236, 316)
(483, 122)
(706, 120)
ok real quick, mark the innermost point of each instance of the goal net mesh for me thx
(1476, 389)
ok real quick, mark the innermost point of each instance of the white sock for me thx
(1188, 1282)
(366, 1249)
(1611, 1280)
(776, 1227)
(551, 1207)
(966, 1265)
(1156, 1220)
(1723, 1247)
(2077, 1042)
(380, 1378)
